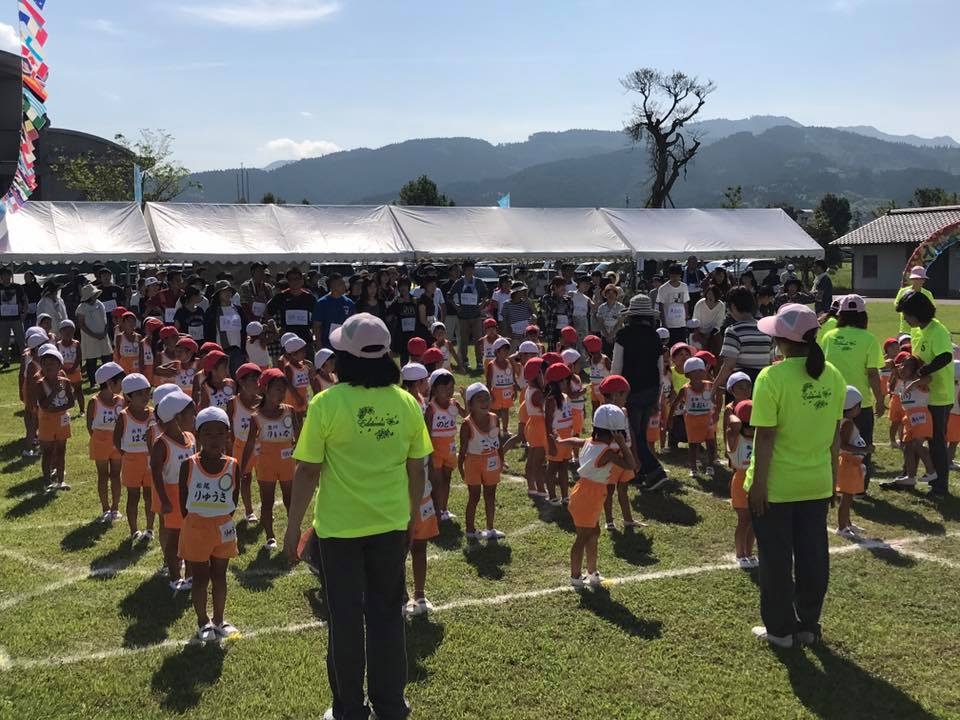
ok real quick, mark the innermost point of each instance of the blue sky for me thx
(258, 80)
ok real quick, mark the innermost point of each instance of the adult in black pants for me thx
(368, 436)
(797, 408)
(636, 356)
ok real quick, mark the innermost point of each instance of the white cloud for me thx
(306, 114)
(262, 14)
(107, 27)
(9, 38)
(287, 149)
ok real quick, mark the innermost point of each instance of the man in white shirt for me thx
(500, 296)
(672, 299)
(582, 309)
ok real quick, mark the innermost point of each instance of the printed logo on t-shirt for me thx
(381, 425)
(818, 397)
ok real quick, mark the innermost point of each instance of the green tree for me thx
(304, 202)
(423, 191)
(884, 208)
(668, 103)
(821, 229)
(790, 210)
(270, 199)
(837, 211)
(933, 197)
(732, 197)
(103, 177)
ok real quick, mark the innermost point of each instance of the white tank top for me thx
(502, 377)
(127, 348)
(698, 403)
(184, 379)
(218, 398)
(69, 352)
(301, 376)
(483, 443)
(446, 357)
(241, 420)
(740, 457)
(444, 421)
(59, 401)
(105, 416)
(135, 433)
(528, 399)
(588, 470)
(147, 351)
(176, 454)
(856, 439)
(488, 353)
(276, 430)
(598, 371)
(576, 385)
(209, 495)
(258, 355)
(915, 398)
(563, 416)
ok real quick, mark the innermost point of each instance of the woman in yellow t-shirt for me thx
(797, 408)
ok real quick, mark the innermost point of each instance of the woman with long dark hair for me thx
(370, 301)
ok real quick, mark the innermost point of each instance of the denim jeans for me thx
(641, 405)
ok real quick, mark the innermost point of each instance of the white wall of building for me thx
(890, 262)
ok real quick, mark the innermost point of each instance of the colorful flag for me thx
(504, 201)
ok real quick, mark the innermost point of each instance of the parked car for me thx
(759, 267)
(487, 274)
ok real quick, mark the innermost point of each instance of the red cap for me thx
(489, 323)
(119, 311)
(212, 359)
(168, 331)
(531, 329)
(901, 356)
(188, 342)
(431, 355)
(709, 359)
(890, 341)
(416, 346)
(533, 368)
(743, 410)
(126, 314)
(247, 369)
(552, 358)
(209, 347)
(680, 346)
(152, 323)
(557, 372)
(592, 343)
(613, 384)
(271, 374)
(569, 334)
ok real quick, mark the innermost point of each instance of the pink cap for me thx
(362, 335)
(853, 303)
(791, 322)
(917, 272)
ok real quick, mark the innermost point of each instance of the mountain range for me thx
(773, 159)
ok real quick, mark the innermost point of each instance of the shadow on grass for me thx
(183, 675)
(948, 507)
(12, 449)
(30, 504)
(127, 553)
(489, 558)
(892, 557)
(318, 603)
(27, 487)
(877, 508)
(599, 602)
(153, 609)
(450, 537)
(827, 688)
(262, 571)
(85, 536)
(633, 546)
(20, 463)
(247, 534)
(424, 636)
(558, 516)
(666, 508)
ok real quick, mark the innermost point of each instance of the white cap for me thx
(44, 316)
(528, 346)
(362, 335)
(693, 323)
(570, 356)
(790, 268)
(254, 328)
(499, 343)
(903, 336)
(411, 372)
(474, 390)
(438, 373)
(161, 391)
(147, 282)
(107, 372)
(693, 364)
(737, 377)
(437, 324)
(212, 414)
(293, 344)
(286, 336)
(133, 382)
(34, 330)
(37, 340)
(49, 350)
(853, 398)
(322, 355)
(67, 324)
(663, 333)
(609, 417)
(172, 405)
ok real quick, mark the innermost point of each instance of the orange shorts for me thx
(426, 525)
(297, 399)
(275, 464)
(238, 446)
(53, 427)
(700, 428)
(535, 431)
(653, 429)
(481, 469)
(202, 538)
(135, 470)
(522, 413)
(172, 520)
(917, 424)
(953, 429)
(444, 452)
(850, 474)
(738, 496)
(564, 452)
(619, 475)
(578, 415)
(895, 411)
(75, 377)
(102, 447)
(502, 398)
(586, 503)
(130, 365)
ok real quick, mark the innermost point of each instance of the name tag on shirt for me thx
(196, 332)
(230, 323)
(7, 310)
(519, 328)
(562, 321)
(111, 305)
(168, 314)
(32, 308)
(259, 308)
(675, 313)
(408, 324)
(296, 317)
(468, 298)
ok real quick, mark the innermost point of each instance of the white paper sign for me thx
(259, 308)
(7, 310)
(408, 324)
(296, 317)
(519, 328)
(230, 323)
(562, 321)
(168, 314)
(111, 305)
(196, 332)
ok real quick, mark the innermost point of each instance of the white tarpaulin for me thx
(243, 233)
(715, 234)
(492, 232)
(75, 231)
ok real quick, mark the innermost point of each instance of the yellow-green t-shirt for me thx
(829, 324)
(929, 342)
(853, 352)
(363, 437)
(677, 379)
(805, 413)
(904, 328)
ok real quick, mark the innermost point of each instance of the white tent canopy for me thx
(244, 233)
(75, 231)
(492, 232)
(714, 234)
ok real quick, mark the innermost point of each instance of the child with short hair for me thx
(532, 333)
(217, 388)
(485, 342)
(34, 339)
(525, 351)
(432, 359)
(416, 347)
(69, 348)
(441, 417)
(185, 375)
(325, 365)
(890, 349)
(297, 372)
(569, 337)
(599, 368)
(895, 408)
(440, 341)
(413, 377)
(534, 427)
(710, 360)
(502, 385)
(578, 399)
(698, 419)
(240, 410)
(738, 436)
(52, 394)
(151, 332)
(674, 423)
(209, 485)
(917, 422)
(740, 386)
(258, 341)
(614, 390)
(102, 412)
(131, 436)
(558, 420)
(126, 351)
(850, 471)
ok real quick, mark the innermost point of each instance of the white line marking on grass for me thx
(5, 661)
(920, 555)
(33, 562)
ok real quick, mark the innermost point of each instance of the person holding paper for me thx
(672, 299)
(331, 310)
(468, 294)
(293, 309)
(13, 307)
(224, 324)
(256, 292)
(111, 295)
(165, 301)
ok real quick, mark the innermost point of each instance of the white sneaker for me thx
(928, 478)
(251, 518)
(857, 529)
(105, 518)
(556, 502)
(754, 561)
(147, 535)
(743, 563)
(955, 465)
(115, 515)
(447, 516)
(135, 536)
(693, 473)
(578, 582)
(760, 633)
(709, 471)
(419, 607)
(226, 630)
(208, 633)
(611, 526)
(186, 584)
(492, 535)
(633, 524)
(271, 544)
(595, 579)
(847, 532)
(475, 535)
(905, 480)
(63, 485)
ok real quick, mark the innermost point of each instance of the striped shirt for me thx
(744, 341)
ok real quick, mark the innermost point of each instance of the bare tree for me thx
(669, 103)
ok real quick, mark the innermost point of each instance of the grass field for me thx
(88, 629)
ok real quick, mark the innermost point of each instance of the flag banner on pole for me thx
(504, 201)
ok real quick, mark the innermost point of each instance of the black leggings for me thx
(90, 367)
(938, 447)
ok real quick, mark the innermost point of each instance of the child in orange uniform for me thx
(102, 414)
(217, 388)
(172, 446)
(917, 421)
(895, 408)
(534, 428)
(127, 350)
(414, 380)
(297, 371)
(34, 339)
(739, 441)
(325, 376)
(890, 349)
(185, 375)
(850, 470)
(240, 409)
(699, 422)
(151, 331)
(526, 351)
(274, 430)
(131, 436)
(441, 418)
(599, 368)
(258, 338)
(578, 395)
(614, 390)
(502, 385)
(52, 394)
(485, 342)
(558, 420)
(69, 348)
(601, 456)
(480, 461)
(532, 334)
(209, 485)
(440, 341)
